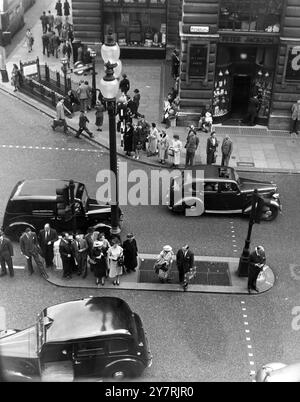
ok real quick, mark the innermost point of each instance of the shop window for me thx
(250, 15)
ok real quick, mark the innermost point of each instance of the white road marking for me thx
(249, 346)
(2, 318)
(246, 323)
(19, 267)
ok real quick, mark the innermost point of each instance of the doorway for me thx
(241, 87)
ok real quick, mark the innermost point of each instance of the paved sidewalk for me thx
(134, 280)
(254, 148)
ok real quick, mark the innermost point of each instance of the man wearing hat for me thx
(185, 261)
(130, 252)
(30, 248)
(257, 261)
(124, 84)
(226, 150)
(191, 146)
(6, 253)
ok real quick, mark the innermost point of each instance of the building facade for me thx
(230, 50)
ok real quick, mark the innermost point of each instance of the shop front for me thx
(245, 68)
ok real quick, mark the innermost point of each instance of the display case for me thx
(139, 25)
(222, 92)
(263, 89)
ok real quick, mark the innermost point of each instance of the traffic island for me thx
(213, 275)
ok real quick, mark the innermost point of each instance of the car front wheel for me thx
(271, 214)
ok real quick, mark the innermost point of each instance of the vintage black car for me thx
(87, 339)
(222, 190)
(34, 202)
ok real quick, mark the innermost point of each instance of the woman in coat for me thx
(98, 259)
(29, 40)
(128, 138)
(15, 77)
(99, 115)
(152, 140)
(114, 255)
(137, 140)
(164, 263)
(176, 150)
(163, 146)
(130, 251)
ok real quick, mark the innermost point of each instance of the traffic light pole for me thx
(244, 259)
(72, 203)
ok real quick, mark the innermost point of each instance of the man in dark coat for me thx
(252, 111)
(128, 138)
(211, 148)
(175, 64)
(226, 150)
(44, 21)
(6, 253)
(124, 84)
(46, 43)
(80, 248)
(30, 248)
(130, 252)
(184, 261)
(47, 237)
(66, 8)
(257, 261)
(66, 254)
(83, 120)
(58, 8)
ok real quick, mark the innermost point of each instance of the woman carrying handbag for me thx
(163, 264)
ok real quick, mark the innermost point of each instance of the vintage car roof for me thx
(212, 172)
(42, 189)
(94, 316)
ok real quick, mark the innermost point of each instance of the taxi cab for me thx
(81, 340)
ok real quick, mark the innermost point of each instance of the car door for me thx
(230, 197)
(89, 358)
(212, 198)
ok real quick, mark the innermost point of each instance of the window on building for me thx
(250, 15)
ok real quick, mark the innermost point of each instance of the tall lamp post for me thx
(64, 62)
(94, 73)
(109, 87)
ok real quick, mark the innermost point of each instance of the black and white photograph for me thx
(150, 186)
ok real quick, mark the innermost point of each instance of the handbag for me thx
(171, 151)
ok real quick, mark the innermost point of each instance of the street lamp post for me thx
(64, 62)
(109, 86)
(94, 73)
(244, 259)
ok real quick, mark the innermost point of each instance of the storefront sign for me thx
(199, 29)
(264, 40)
(292, 72)
(197, 61)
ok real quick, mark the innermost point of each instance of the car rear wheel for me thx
(271, 214)
(16, 232)
(123, 371)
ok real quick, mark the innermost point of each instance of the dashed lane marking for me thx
(52, 148)
(248, 343)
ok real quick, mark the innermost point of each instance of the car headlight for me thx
(275, 195)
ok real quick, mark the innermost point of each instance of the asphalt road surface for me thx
(194, 337)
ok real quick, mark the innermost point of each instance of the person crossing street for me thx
(83, 120)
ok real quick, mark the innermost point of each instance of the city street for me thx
(193, 337)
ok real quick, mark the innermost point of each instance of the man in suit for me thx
(47, 237)
(295, 117)
(211, 148)
(184, 261)
(226, 150)
(6, 253)
(30, 248)
(66, 253)
(257, 261)
(80, 248)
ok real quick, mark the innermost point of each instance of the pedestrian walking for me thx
(115, 261)
(99, 262)
(99, 115)
(58, 8)
(29, 40)
(73, 101)
(44, 21)
(66, 255)
(175, 63)
(80, 250)
(6, 254)
(30, 249)
(145, 131)
(163, 264)
(136, 104)
(15, 77)
(163, 146)
(136, 141)
(185, 262)
(46, 43)
(58, 24)
(67, 50)
(50, 21)
(226, 148)
(47, 237)
(124, 84)
(211, 148)
(257, 261)
(83, 93)
(252, 111)
(130, 251)
(55, 44)
(60, 116)
(83, 120)
(191, 146)
(152, 140)
(295, 117)
(128, 139)
(66, 9)
(175, 151)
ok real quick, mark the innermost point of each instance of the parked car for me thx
(92, 338)
(279, 372)
(34, 202)
(223, 192)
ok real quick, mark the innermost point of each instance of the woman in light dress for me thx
(164, 263)
(163, 145)
(177, 147)
(114, 257)
(153, 138)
